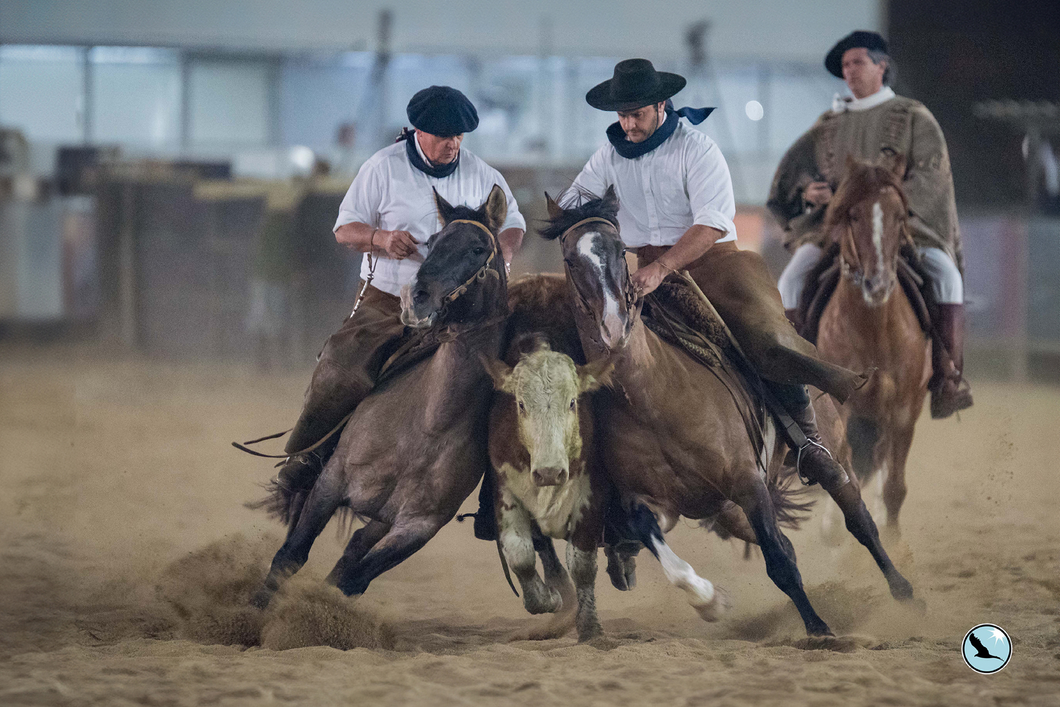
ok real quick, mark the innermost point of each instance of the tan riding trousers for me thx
(741, 288)
(349, 366)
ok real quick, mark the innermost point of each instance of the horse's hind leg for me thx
(862, 527)
(318, 507)
(780, 556)
(710, 601)
(362, 541)
(405, 537)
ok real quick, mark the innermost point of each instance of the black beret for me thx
(859, 38)
(442, 111)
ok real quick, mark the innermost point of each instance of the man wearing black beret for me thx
(388, 214)
(873, 125)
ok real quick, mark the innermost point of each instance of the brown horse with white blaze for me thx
(670, 433)
(869, 322)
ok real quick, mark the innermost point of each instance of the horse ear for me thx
(445, 209)
(595, 374)
(496, 208)
(611, 197)
(554, 209)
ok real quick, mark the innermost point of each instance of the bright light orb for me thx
(754, 110)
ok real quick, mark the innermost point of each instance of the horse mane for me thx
(862, 181)
(591, 205)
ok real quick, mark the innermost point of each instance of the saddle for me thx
(824, 278)
(680, 314)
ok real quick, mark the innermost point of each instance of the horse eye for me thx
(479, 250)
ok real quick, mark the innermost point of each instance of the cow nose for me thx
(549, 476)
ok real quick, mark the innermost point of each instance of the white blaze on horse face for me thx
(611, 321)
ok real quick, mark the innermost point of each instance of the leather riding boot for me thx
(950, 393)
(813, 461)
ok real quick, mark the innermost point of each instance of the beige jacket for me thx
(897, 127)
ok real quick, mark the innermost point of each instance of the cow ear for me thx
(445, 209)
(594, 374)
(499, 371)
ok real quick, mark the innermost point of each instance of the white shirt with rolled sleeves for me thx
(390, 194)
(681, 183)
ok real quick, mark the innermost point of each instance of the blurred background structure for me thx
(158, 162)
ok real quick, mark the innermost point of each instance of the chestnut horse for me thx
(870, 323)
(670, 433)
(416, 447)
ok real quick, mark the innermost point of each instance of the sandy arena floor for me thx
(128, 558)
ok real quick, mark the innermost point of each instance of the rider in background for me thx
(389, 212)
(676, 211)
(876, 126)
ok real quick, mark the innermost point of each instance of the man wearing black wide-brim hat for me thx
(388, 214)
(676, 212)
(875, 125)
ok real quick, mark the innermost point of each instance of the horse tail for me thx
(862, 435)
(279, 502)
(791, 500)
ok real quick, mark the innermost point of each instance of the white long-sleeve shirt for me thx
(390, 194)
(683, 182)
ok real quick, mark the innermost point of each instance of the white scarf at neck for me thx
(841, 104)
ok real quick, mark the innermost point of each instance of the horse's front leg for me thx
(320, 504)
(517, 544)
(860, 524)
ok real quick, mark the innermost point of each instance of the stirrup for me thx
(806, 481)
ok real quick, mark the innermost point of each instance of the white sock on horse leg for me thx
(700, 591)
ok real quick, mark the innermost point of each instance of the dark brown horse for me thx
(870, 323)
(670, 433)
(416, 447)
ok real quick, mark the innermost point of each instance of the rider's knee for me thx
(947, 286)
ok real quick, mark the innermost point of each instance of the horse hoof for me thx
(716, 608)
(261, 599)
(902, 590)
(820, 630)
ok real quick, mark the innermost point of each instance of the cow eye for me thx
(572, 401)
(522, 408)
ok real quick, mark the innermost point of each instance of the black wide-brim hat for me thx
(859, 38)
(442, 111)
(635, 84)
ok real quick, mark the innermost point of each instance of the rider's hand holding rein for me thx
(360, 236)
(690, 247)
(817, 193)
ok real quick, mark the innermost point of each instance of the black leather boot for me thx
(813, 461)
(950, 392)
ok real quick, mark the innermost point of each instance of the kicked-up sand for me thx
(128, 560)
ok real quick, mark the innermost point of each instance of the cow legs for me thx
(556, 576)
(780, 555)
(315, 512)
(581, 559)
(862, 527)
(710, 601)
(401, 541)
(516, 539)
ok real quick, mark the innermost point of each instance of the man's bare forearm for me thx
(511, 239)
(696, 241)
(357, 236)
